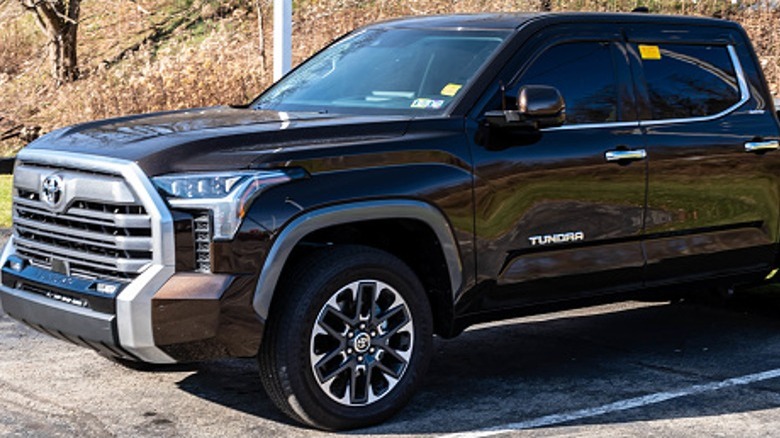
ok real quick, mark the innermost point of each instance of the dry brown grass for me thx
(764, 30)
(19, 42)
(218, 69)
(209, 49)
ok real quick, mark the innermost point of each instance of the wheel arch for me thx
(353, 213)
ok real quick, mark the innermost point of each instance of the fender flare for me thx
(346, 213)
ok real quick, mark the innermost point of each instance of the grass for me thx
(5, 201)
(152, 55)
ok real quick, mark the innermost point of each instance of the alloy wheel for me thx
(361, 342)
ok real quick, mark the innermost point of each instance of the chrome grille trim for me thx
(88, 216)
(124, 243)
(133, 304)
(88, 186)
(82, 231)
(125, 266)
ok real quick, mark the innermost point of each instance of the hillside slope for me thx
(148, 55)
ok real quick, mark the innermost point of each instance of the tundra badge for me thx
(546, 239)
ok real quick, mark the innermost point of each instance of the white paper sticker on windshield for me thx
(423, 103)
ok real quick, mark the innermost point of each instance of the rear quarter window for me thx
(685, 81)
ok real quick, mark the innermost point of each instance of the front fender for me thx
(340, 214)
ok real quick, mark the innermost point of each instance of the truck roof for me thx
(511, 21)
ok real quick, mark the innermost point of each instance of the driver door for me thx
(559, 213)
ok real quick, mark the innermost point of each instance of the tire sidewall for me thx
(314, 402)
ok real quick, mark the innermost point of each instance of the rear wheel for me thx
(348, 339)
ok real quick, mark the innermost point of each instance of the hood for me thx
(215, 138)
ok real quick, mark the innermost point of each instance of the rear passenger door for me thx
(712, 206)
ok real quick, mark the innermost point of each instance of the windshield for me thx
(385, 71)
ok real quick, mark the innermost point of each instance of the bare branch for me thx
(40, 22)
(140, 8)
(50, 17)
(73, 12)
(51, 9)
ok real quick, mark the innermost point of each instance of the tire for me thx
(331, 362)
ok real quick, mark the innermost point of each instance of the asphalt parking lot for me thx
(648, 369)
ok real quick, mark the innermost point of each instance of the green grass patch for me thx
(5, 201)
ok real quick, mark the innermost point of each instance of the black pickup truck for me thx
(413, 178)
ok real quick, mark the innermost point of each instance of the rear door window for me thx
(686, 81)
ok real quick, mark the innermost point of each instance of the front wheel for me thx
(348, 340)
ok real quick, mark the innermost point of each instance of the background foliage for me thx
(149, 55)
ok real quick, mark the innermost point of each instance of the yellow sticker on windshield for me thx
(450, 89)
(652, 53)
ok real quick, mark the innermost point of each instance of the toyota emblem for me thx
(51, 192)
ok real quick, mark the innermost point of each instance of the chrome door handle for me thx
(762, 146)
(628, 155)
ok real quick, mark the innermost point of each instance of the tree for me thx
(59, 20)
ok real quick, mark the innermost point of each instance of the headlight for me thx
(227, 195)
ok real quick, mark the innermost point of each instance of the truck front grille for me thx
(99, 231)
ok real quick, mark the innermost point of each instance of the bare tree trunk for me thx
(59, 20)
(69, 68)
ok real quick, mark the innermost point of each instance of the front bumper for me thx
(80, 326)
(193, 317)
(206, 316)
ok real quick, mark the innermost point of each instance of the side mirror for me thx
(542, 104)
(538, 106)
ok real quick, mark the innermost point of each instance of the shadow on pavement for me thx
(513, 372)
(234, 383)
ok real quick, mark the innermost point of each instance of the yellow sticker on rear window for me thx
(450, 89)
(652, 53)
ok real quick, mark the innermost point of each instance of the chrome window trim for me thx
(134, 303)
(634, 124)
(744, 92)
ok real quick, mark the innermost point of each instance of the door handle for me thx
(762, 146)
(627, 155)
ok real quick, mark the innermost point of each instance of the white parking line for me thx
(617, 406)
